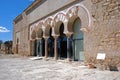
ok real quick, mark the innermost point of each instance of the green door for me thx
(78, 41)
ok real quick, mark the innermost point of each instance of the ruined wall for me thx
(104, 34)
(21, 27)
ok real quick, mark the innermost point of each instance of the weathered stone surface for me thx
(102, 36)
(14, 67)
(105, 33)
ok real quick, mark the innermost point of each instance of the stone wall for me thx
(104, 35)
(23, 21)
(21, 27)
(46, 8)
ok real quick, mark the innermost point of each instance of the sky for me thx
(9, 10)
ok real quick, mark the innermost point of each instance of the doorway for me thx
(51, 44)
(62, 43)
(78, 41)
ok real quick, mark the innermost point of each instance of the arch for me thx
(57, 27)
(78, 40)
(71, 22)
(47, 25)
(33, 35)
(39, 33)
(49, 21)
(39, 30)
(62, 43)
(88, 14)
(78, 11)
(61, 16)
(47, 30)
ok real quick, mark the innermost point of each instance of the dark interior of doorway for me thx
(51, 44)
(35, 46)
(62, 43)
(43, 47)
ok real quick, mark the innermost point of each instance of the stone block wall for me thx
(104, 35)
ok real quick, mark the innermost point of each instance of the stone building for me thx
(70, 29)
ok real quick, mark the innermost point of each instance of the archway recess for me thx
(50, 44)
(62, 43)
(78, 41)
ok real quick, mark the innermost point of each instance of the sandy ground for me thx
(14, 67)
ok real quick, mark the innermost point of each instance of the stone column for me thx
(39, 47)
(55, 48)
(46, 47)
(32, 47)
(40, 43)
(68, 46)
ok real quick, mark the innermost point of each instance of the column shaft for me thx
(68, 47)
(40, 52)
(46, 47)
(37, 44)
(55, 48)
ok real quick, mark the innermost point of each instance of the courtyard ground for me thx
(14, 67)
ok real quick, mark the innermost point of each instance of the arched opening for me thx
(50, 44)
(39, 33)
(78, 41)
(33, 43)
(35, 48)
(62, 43)
(40, 50)
(33, 36)
(17, 45)
(41, 46)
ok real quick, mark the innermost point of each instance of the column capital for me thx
(69, 34)
(38, 38)
(46, 37)
(32, 40)
(46, 46)
(55, 36)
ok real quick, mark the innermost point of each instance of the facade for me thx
(75, 30)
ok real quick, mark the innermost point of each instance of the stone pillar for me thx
(40, 53)
(39, 47)
(68, 46)
(46, 47)
(55, 48)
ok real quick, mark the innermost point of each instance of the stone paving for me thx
(13, 67)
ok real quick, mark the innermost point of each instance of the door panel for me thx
(78, 41)
(79, 51)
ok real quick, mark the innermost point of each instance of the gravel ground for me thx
(14, 67)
